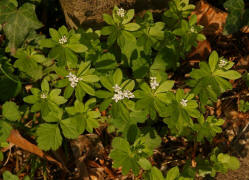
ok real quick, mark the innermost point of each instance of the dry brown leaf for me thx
(202, 50)
(218, 108)
(212, 18)
(16, 138)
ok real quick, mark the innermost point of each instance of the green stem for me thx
(8, 75)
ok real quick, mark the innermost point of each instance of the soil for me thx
(241, 150)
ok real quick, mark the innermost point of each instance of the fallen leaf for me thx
(16, 139)
(212, 18)
(202, 51)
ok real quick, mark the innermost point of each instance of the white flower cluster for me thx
(222, 63)
(63, 40)
(121, 12)
(43, 96)
(184, 102)
(120, 95)
(73, 79)
(153, 83)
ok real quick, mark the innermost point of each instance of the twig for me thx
(235, 96)
(7, 160)
(242, 132)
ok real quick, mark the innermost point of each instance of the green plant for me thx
(243, 106)
(237, 16)
(121, 70)
(210, 80)
(19, 22)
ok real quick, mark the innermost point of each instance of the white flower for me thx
(116, 88)
(120, 95)
(184, 102)
(121, 12)
(222, 63)
(128, 94)
(43, 96)
(131, 95)
(117, 97)
(63, 40)
(73, 79)
(153, 83)
(192, 29)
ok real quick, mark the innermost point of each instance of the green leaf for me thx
(45, 86)
(213, 60)
(63, 31)
(19, 22)
(129, 16)
(79, 92)
(93, 114)
(173, 173)
(49, 137)
(69, 91)
(106, 62)
(128, 85)
(14, 2)
(122, 157)
(47, 43)
(150, 141)
(145, 164)
(62, 83)
(155, 174)
(103, 94)
(232, 5)
(90, 78)
(104, 105)
(10, 111)
(27, 64)
(26, 177)
(53, 116)
(208, 128)
(108, 19)
(54, 34)
(231, 74)
(243, 106)
(83, 68)
(234, 20)
(5, 129)
(165, 86)
(131, 27)
(106, 82)
(78, 48)
(9, 88)
(8, 176)
(118, 76)
(54, 96)
(87, 88)
(69, 128)
(209, 85)
(228, 161)
(107, 30)
(31, 99)
(91, 124)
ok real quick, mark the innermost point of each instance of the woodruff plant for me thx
(122, 70)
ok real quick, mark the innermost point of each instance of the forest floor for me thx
(91, 152)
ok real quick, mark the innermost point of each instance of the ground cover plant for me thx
(69, 83)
